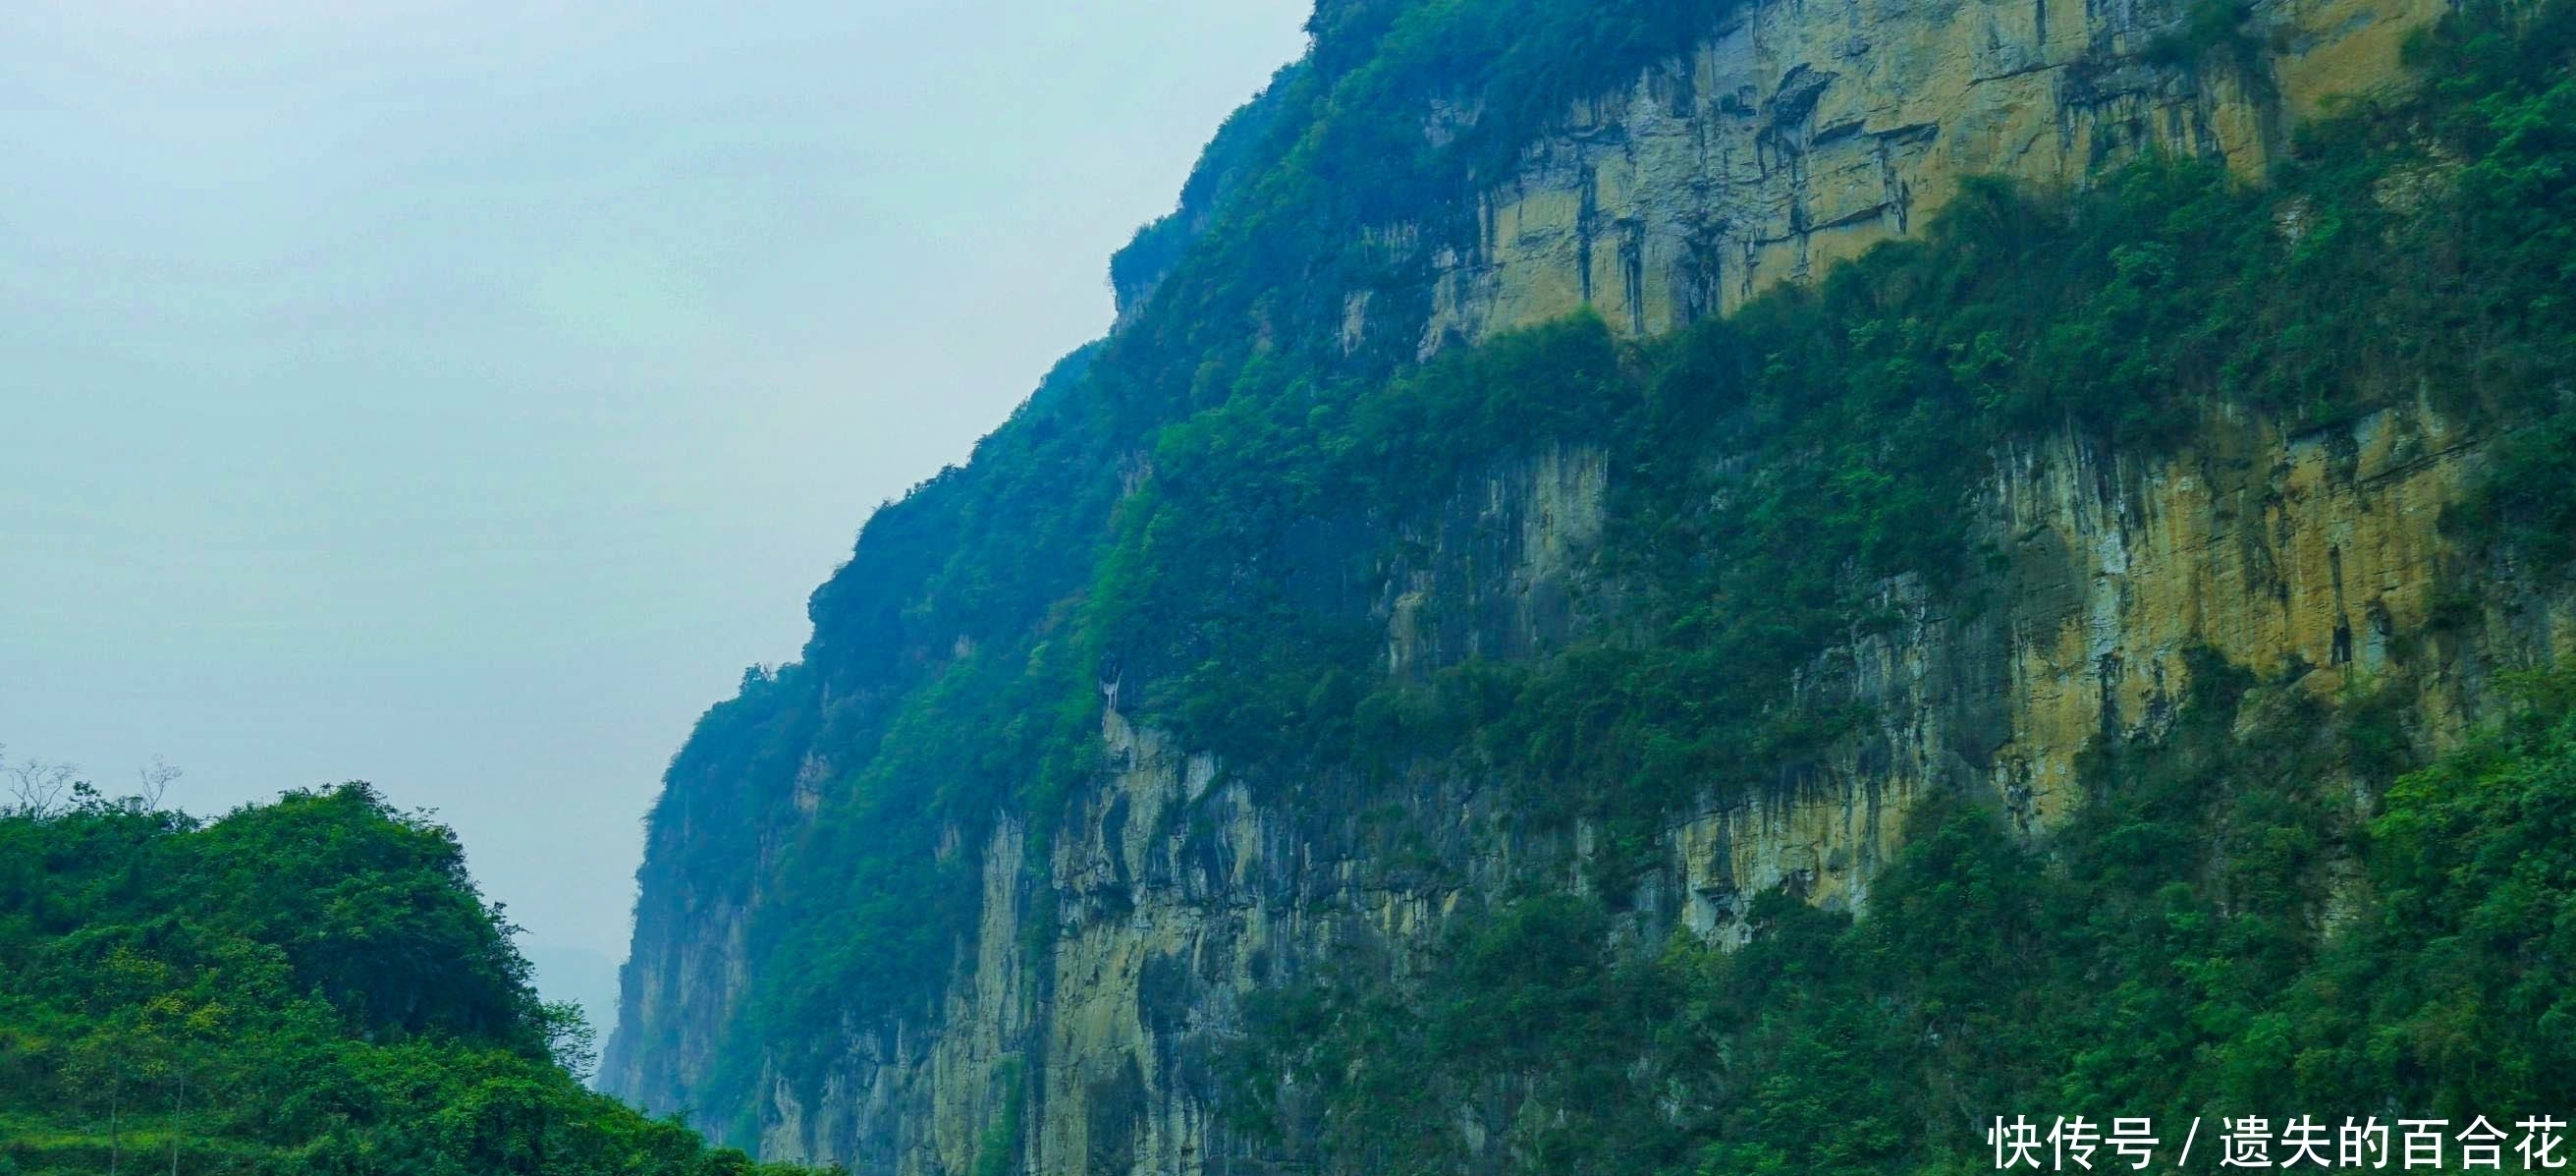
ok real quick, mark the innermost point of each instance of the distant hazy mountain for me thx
(581, 975)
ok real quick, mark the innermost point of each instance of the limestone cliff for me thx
(1176, 890)
(1801, 134)
(1077, 1022)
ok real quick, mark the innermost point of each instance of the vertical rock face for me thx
(1176, 890)
(2313, 559)
(943, 1083)
(1805, 132)
(1079, 1026)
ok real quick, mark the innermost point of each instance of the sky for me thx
(458, 394)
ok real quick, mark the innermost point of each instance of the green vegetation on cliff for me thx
(308, 986)
(2193, 944)
(1199, 516)
(1844, 430)
(2260, 912)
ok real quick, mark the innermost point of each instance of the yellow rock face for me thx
(2276, 554)
(2310, 559)
(1809, 131)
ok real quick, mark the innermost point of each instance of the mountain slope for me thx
(1499, 573)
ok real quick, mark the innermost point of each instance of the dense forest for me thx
(307, 986)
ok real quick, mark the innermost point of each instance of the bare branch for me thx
(36, 788)
(156, 783)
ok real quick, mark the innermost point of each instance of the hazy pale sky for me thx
(458, 394)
